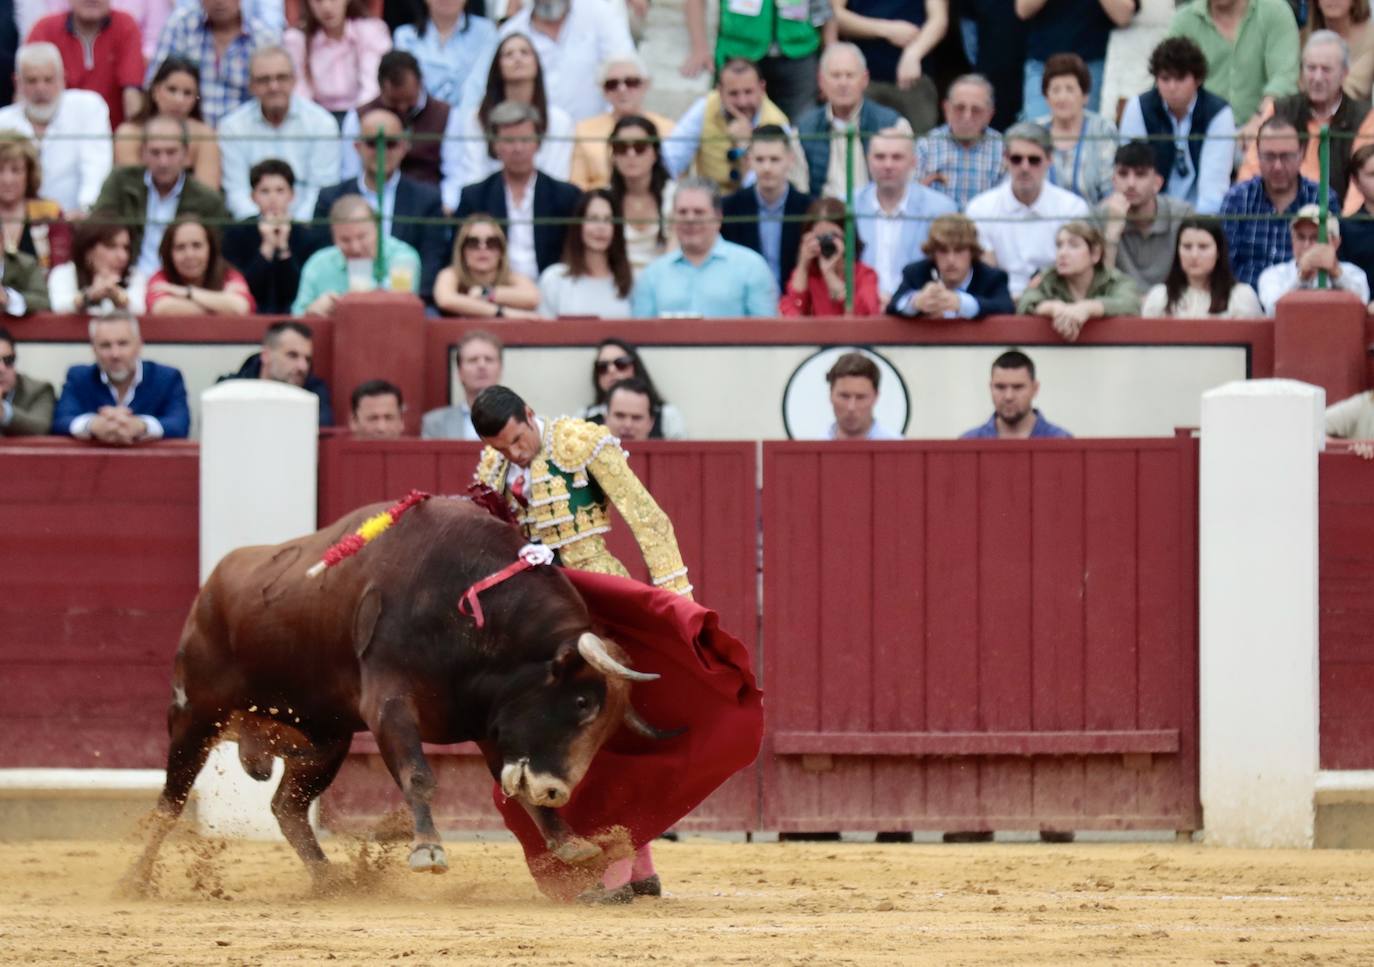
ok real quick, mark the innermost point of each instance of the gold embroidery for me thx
(651, 527)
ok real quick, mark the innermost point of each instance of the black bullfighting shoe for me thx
(649, 886)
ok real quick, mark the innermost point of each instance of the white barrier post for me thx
(1258, 621)
(258, 454)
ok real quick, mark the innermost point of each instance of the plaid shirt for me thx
(1257, 243)
(967, 171)
(223, 82)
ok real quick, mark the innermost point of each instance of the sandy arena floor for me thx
(729, 903)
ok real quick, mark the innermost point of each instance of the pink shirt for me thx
(233, 282)
(343, 72)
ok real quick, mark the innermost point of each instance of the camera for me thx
(827, 245)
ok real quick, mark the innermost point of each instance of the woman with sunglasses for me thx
(625, 81)
(594, 278)
(641, 188)
(480, 283)
(616, 360)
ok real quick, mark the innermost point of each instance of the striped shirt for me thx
(966, 171)
(224, 80)
(1257, 242)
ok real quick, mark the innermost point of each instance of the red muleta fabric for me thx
(637, 788)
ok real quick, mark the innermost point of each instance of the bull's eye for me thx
(582, 703)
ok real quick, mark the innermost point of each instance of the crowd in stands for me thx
(192, 157)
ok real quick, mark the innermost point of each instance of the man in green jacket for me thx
(26, 404)
(26, 287)
(149, 197)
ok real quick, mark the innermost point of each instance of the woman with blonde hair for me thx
(29, 224)
(1079, 287)
(480, 283)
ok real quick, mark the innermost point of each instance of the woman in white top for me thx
(100, 278)
(617, 360)
(594, 278)
(642, 189)
(1200, 284)
(516, 75)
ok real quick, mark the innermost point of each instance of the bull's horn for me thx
(593, 650)
(642, 727)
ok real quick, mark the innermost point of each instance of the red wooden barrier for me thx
(708, 489)
(98, 561)
(1346, 594)
(980, 635)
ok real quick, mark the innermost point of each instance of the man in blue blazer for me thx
(514, 130)
(404, 199)
(952, 282)
(777, 235)
(122, 399)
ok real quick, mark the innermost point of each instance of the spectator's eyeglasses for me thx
(1278, 157)
(268, 79)
(619, 148)
(489, 242)
(8, 361)
(615, 83)
(1034, 160)
(620, 362)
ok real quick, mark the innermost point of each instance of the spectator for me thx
(1196, 163)
(148, 197)
(275, 123)
(194, 278)
(784, 47)
(962, 157)
(287, 356)
(1310, 257)
(714, 133)
(1350, 419)
(1014, 417)
(349, 264)
(100, 278)
(448, 43)
(1321, 102)
(1257, 242)
(269, 248)
(894, 38)
(148, 15)
(625, 81)
(516, 75)
(59, 119)
(377, 410)
(1084, 141)
(531, 203)
(21, 278)
(618, 361)
(336, 51)
(1349, 19)
(1019, 220)
(822, 130)
(29, 224)
(1357, 230)
(101, 50)
(1082, 26)
(1251, 48)
(630, 412)
(707, 276)
(26, 404)
(893, 212)
(999, 55)
(1139, 226)
(641, 187)
(478, 366)
(9, 43)
(217, 35)
(433, 151)
(1200, 284)
(480, 281)
(1079, 287)
(594, 278)
(952, 281)
(764, 217)
(412, 211)
(122, 399)
(816, 286)
(174, 93)
(853, 394)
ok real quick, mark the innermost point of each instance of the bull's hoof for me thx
(600, 896)
(428, 858)
(575, 850)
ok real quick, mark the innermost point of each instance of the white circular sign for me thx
(806, 410)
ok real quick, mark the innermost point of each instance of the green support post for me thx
(850, 139)
(379, 263)
(1323, 192)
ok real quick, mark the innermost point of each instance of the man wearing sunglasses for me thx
(26, 403)
(1018, 220)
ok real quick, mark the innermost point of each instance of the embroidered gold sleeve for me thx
(491, 469)
(651, 527)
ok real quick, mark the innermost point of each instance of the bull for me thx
(294, 666)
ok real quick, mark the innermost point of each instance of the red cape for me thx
(637, 788)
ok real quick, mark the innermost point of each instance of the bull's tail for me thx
(371, 528)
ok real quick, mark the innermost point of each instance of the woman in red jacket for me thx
(816, 286)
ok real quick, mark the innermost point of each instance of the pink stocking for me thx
(643, 867)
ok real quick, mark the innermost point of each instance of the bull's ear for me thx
(564, 662)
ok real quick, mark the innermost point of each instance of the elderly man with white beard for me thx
(72, 128)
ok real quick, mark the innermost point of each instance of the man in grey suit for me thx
(26, 404)
(479, 366)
